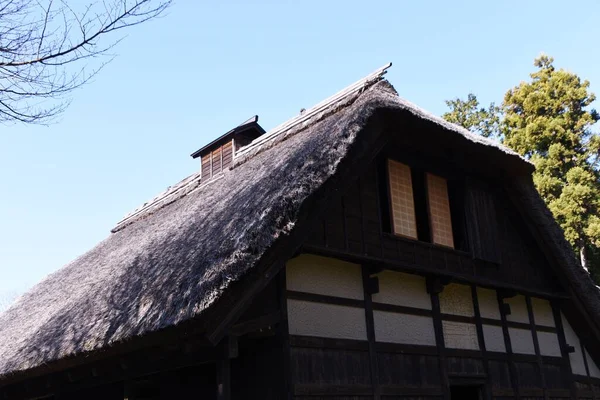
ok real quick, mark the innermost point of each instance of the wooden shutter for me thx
(402, 200)
(439, 211)
(227, 155)
(481, 222)
(216, 161)
(206, 169)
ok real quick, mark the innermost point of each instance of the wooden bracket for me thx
(506, 309)
(372, 285)
(506, 293)
(570, 349)
(231, 348)
(435, 284)
(374, 269)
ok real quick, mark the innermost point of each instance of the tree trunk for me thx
(583, 257)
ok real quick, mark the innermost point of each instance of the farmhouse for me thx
(364, 249)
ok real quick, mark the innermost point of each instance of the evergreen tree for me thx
(548, 120)
(468, 114)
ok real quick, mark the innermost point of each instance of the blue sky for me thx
(192, 75)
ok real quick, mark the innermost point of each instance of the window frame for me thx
(419, 171)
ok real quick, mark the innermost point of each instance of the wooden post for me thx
(223, 379)
(536, 346)
(479, 325)
(224, 371)
(284, 336)
(562, 341)
(368, 290)
(435, 287)
(514, 377)
(587, 370)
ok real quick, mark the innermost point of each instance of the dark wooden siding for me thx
(227, 155)
(353, 227)
(206, 169)
(482, 229)
(217, 160)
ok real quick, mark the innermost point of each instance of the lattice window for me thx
(439, 210)
(401, 195)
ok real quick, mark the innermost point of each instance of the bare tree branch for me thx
(45, 47)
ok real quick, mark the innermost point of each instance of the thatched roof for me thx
(171, 260)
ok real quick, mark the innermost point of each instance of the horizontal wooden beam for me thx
(256, 324)
(397, 265)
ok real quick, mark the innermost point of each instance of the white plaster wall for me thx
(488, 303)
(542, 312)
(321, 275)
(576, 358)
(460, 335)
(549, 345)
(494, 338)
(593, 367)
(521, 341)
(403, 290)
(456, 299)
(518, 309)
(403, 328)
(326, 320)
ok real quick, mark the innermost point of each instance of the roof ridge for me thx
(356, 87)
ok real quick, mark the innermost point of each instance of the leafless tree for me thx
(46, 49)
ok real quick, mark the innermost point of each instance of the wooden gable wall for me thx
(354, 228)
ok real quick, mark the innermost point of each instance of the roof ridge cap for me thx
(338, 97)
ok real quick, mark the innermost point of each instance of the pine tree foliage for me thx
(549, 120)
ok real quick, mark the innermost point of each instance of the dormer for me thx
(218, 154)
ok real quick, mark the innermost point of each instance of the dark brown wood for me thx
(481, 222)
(328, 343)
(257, 324)
(439, 339)
(412, 266)
(284, 336)
(567, 372)
(401, 309)
(587, 368)
(321, 298)
(105, 372)
(511, 363)
(487, 393)
(366, 278)
(536, 346)
(224, 379)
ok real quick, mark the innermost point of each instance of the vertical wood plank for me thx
(536, 346)
(371, 333)
(224, 379)
(434, 291)
(479, 325)
(562, 341)
(587, 369)
(284, 336)
(507, 344)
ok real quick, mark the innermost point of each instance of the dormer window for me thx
(419, 205)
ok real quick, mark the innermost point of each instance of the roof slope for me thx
(171, 263)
